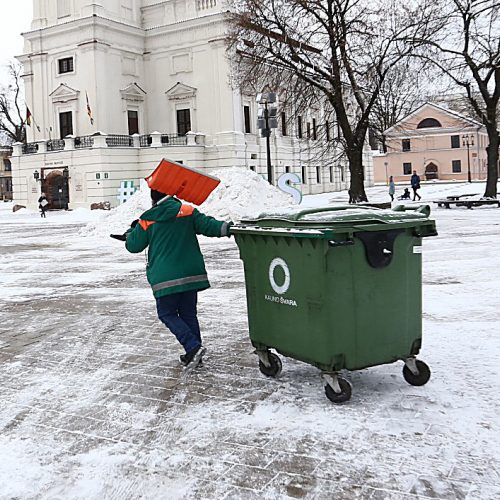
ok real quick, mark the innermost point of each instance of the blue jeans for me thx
(178, 312)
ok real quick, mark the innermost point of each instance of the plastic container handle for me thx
(421, 209)
(308, 211)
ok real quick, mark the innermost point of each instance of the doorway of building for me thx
(431, 171)
(55, 185)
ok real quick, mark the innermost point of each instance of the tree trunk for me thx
(492, 153)
(357, 186)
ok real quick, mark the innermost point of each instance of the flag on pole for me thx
(89, 111)
(28, 116)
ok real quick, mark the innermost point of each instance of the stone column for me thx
(69, 143)
(156, 139)
(17, 149)
(136, 138)
(100, 140)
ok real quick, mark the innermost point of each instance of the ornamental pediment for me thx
(431, 118)
(64, 93)
(180, 91)
(133, 92)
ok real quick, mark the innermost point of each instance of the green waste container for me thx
(338, 288)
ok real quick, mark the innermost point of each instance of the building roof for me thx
(435, 107)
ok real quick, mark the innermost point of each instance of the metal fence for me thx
(173, 139)
(55, 145)
(30, 148)
(166, 140)
(85, 141)
(116, 141)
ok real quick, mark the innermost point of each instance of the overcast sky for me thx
(16, 18)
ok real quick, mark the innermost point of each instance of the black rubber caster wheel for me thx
(339, 397)
(274, 369)
(424, 374)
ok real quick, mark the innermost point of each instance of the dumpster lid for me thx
(342, 215)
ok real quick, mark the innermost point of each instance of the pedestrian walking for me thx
(176, 269)
(392, 188)
(415, 185)
(42, 205)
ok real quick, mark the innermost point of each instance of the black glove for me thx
(121, 237)
(134, 223)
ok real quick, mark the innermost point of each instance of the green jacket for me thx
(175, 262)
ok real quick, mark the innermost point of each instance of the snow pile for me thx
(241, 193)
(118, 220)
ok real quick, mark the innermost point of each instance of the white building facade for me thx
(114, 86)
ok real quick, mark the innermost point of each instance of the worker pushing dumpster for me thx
(339, 288)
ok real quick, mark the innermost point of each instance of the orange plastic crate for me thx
(182, 182)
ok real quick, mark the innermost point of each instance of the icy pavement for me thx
(94, 403)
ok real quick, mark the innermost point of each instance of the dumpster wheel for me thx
(274, 368)
(342, 384)
(416, 372)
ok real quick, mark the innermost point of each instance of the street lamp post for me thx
(386, 176)
(266, 121)
(468, 141)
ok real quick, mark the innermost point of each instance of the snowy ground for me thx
(94, 404)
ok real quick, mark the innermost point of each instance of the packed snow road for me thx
(94, 403)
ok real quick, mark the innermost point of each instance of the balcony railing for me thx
(119, 141)
(55, 145)
(145, 141)
(100, 140)
(30, 148)
(85, 141)
(165, 139)
(173, 140)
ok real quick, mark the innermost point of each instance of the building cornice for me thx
(428, 132)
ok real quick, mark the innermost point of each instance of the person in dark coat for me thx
(42, 205)
(415, 185)
(405, 195)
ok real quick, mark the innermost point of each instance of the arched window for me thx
(429, 123)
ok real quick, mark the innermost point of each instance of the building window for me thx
(429, 123)
(318, 175)
(308, 130)
(133, 122)
(406, 168)
(252, 168)
(456, 166)
(406, 145)
(7, 165)
(246, 117)
(287, 170)
(66, 124)
(283, 124)
(66, 65)
(183, 121)
(299, 127)
(327, 130)
(315, 131)
(455, 141)
(304, 174)
(331, 173)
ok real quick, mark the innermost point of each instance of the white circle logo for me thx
(280, 289)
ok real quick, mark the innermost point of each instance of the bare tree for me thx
(341, 49)
(12, 119)
(467, 50)
(402, 91)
